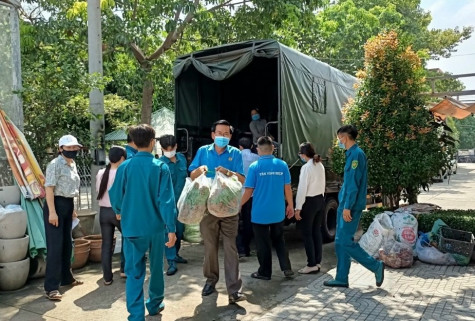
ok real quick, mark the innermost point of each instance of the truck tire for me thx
(329, 220)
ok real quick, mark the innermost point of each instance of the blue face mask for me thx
(221, 141)
(341, 145)
(303, 160)
(256, 117)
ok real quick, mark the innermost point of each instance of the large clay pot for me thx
(13, 275)
(12, 250)
(13, 225)
(96, 246)
(82, 249)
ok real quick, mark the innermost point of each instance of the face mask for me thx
(170, 154)
(303, 160)
(256, 117)
(341, 145)
(221, 141)
(70, 153)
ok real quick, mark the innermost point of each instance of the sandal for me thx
(54, 295)
(108, 282)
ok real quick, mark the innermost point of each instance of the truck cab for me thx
(300, 97)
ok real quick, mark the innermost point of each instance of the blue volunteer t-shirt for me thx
(268, 177)
(230, 159)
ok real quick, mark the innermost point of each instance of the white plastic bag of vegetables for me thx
(192, 202)
(225, 196)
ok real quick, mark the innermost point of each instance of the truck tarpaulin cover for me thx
(309, 94)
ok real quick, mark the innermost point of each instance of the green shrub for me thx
(457, 219)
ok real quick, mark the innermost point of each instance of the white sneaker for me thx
(310, 269)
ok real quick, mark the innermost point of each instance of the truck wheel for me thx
(329, 220)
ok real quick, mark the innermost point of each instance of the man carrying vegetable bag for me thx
(352, 199)
(268, 181)
(210, 159)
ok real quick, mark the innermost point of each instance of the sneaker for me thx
(236, 297)
(310, 270)
(289, 273)
(179, 259)
(172, 269)
(335, 284)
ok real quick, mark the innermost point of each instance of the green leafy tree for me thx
(396, 131)
(466, 128)
(340, 31)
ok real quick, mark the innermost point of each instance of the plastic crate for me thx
(457, 242)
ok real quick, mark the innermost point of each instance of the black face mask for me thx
(70, 153)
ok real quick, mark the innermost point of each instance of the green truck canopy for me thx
(303, 95)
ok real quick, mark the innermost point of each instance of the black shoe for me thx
(256, 275)
(179, 259)
(208, 289)
(236, 297)
(289, 273)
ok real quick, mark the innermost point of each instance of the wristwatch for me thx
(228, 173)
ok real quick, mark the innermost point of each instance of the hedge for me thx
(456, 219)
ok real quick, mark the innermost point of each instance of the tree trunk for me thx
(147, 100)
(411, 195)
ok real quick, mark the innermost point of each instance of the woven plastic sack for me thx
(377, 234)
(396, 254)
(405, 227)
(225, 196)
(192, 202)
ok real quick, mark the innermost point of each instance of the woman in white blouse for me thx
(310, 205)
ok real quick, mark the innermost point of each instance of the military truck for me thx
(300, 97)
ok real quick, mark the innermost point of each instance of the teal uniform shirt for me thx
(178, 172)
(130, 151)
(143, 194)
(352, 195)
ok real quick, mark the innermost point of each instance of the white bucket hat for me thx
(69, 140)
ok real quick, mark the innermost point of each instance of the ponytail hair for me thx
(308, 150)
(115, 155)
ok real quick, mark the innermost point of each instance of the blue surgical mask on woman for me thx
(221, 141)
(256, 117)
(303, 160)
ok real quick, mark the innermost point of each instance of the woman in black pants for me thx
(310, 204)
(62, 185)
(107, 218)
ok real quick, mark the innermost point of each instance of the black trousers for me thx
(109, 222)
(266, 236)
(244, 237)
(311, 228)
(59, 244)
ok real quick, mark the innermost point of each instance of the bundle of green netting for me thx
(225, 196)
(192, 203)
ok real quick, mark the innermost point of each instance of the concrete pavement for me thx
(422, 292)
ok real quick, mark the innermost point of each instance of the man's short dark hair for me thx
(350, 130)
(142, 135)
(129, 138)
(167, 141)
(221, 122)
(264, 144)
(245, 142)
